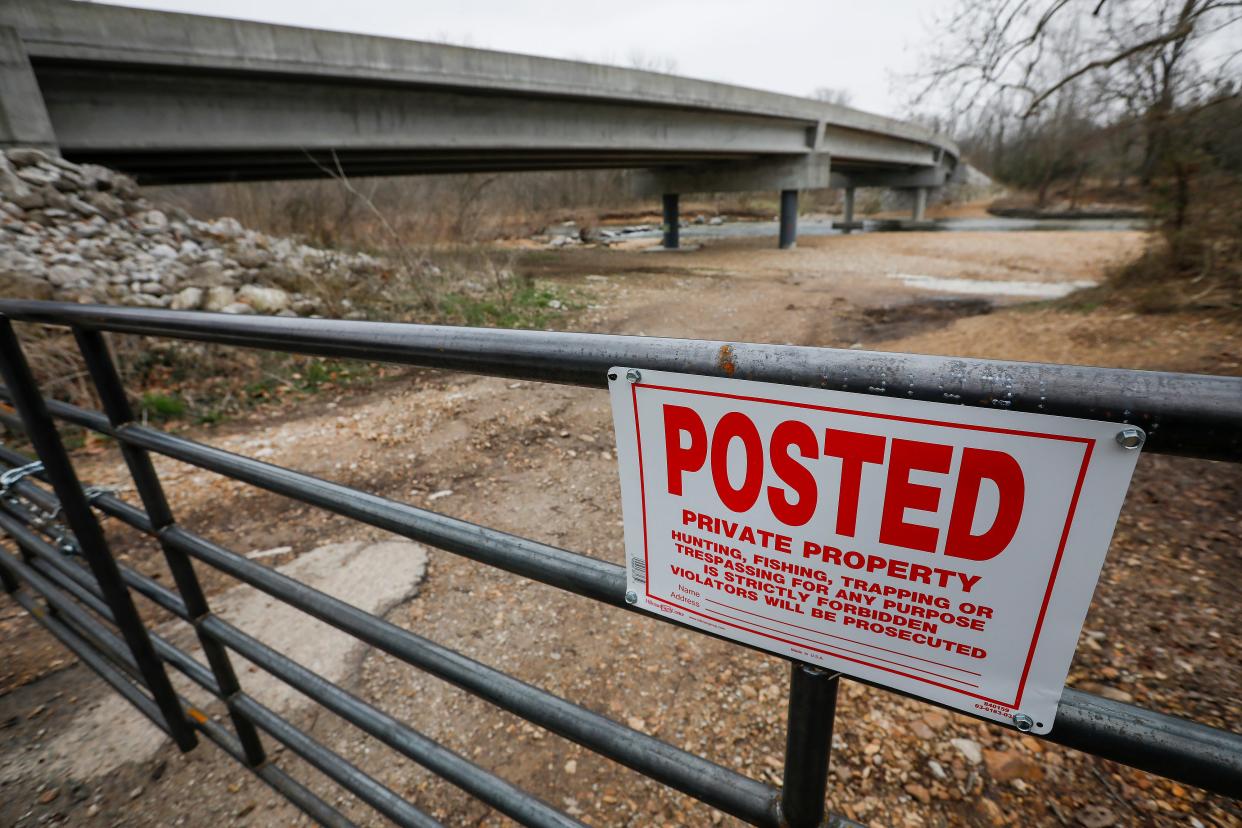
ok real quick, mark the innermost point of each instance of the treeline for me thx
(1144, 95)
(1069, 153)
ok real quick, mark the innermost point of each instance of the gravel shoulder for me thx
(537, 460)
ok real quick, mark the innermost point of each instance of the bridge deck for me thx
(175, 97)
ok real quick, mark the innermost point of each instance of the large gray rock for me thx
(206, 275)
(66, 180)
(190, 298)
(264, 300)
(37, 176)
(82, 206)
(226, 228)
(29, 200)
(142, 300)
(151, 222)
(54, 199)
(63, 275)
(218, 298)
(11, 185)
(12, 260)
(26, 157)
(252, 257)
(107, 204)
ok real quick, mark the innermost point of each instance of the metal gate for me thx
(90, 608)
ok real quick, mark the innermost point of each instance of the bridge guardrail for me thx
(1185, 414)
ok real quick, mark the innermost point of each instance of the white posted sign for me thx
(945, 551)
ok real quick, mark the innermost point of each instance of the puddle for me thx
(987, 287)
(847, 327)
(909, 318)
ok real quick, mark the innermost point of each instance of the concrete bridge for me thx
(183, 98)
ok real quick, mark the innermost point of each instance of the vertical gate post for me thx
(82, 522)
(7, 581)
(102, 369)
(808, 743)
(789, 219)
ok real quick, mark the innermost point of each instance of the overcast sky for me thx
(788, 46)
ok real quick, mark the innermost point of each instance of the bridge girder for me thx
(175, 97)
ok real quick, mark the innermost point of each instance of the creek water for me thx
(821, 226)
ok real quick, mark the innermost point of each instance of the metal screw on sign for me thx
(1131, 438)
(633, 375)
(631, 597)
(1023, 722)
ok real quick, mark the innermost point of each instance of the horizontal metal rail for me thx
(348, 776)
(503, 796)
(1180, 749)
(720, 787)
(1187, 414)
(1183, 414)
(107, 652)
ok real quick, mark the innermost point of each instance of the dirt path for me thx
(537, 460)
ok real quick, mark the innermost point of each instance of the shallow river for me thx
(823, 227)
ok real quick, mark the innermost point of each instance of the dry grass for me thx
(1195, 263)
(423, 210)
(173, 380)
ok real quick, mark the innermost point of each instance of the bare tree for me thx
(1136, 59)
(832, 95)
(664, 64)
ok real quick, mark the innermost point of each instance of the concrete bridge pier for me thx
(672, 221)
(789, 219)
(24, 121)
(919, 211)
(786, 174)
(847, 224)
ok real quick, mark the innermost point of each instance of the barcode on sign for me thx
(638, 570)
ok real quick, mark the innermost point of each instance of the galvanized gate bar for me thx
(505, 797)
(808, 743)
(116, 406)
(706, 781)
(1188, 414)
(117, 654)
(348, 776)
(501, 795)
(711, 783)
(1180, 749)
(344, 773)
(1183, 414)
(92, 658)
(577, 573)
(1168, 746)
(42, 432)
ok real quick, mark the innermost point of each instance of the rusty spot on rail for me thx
(724, 360)
(197, 715)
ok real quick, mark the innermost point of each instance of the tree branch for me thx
(1182, 31)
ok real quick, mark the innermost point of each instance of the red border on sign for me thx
(1056, 564)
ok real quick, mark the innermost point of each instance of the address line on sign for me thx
(850, 640)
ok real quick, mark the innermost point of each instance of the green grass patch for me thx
(526, 305)
(160, 407)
